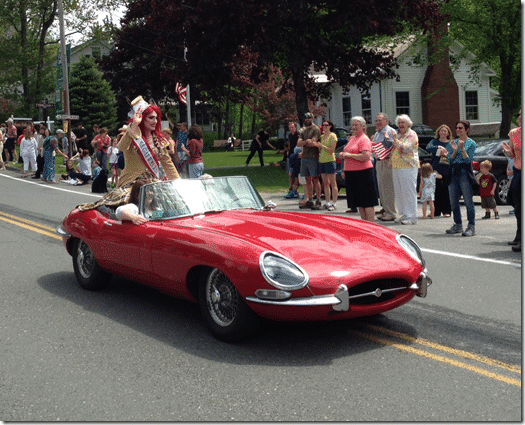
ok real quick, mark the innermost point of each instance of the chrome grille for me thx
(376, 291)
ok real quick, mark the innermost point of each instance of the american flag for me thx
(382, 152)
(181, 92)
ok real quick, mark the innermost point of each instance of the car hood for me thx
(320, 244)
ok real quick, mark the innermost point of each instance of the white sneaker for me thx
(400, 219)
(409, 221)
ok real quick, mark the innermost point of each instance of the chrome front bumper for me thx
(340, 300)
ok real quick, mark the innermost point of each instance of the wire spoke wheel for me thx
(87, 271)
(224, 310)
(85, 260)
(222, 298)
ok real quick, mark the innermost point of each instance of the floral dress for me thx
(50, 145)
(429, 188)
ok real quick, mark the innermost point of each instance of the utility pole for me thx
(188, 100)
(65, 77)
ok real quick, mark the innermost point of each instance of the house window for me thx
(471, 105)
(202, 115)
(402, 103)
(366, 107)
(347, 112)
(95, 52)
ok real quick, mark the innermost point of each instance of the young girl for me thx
(113, 162)
(70, 166)
(28, 150)
(427, 188)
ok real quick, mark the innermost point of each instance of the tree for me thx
(29, 39)
(91, 97)
(491, 29)
(294, 35)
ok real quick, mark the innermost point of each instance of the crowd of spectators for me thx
(38, 149)
(384, 170)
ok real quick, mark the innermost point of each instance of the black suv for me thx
(493, 151)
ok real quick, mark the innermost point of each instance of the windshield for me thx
(185, 197)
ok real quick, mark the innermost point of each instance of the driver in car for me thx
(130, 211)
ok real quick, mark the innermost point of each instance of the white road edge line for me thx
(51, 186)
(471, 257)
(432, 251)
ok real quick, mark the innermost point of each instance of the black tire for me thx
(89, 274)
(502, 190)
(225, 312)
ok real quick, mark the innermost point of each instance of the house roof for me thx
(399, 45)
(81, 46)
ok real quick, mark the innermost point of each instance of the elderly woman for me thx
(146, 155)
(460, 155)
(405, 164)
(438, 148)
(359, 171)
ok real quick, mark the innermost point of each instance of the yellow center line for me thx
(461, 353)
(49, 231)
(422, 353)
(27, 224)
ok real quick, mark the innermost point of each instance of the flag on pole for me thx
(181, 92)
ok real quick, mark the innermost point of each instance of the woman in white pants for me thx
(405, 164)
(28, 151)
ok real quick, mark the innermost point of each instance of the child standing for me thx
(487, 188)
(427, 188)
(28, 151)
(113, 162)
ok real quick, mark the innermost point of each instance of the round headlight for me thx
(410, 246)
(281, 272)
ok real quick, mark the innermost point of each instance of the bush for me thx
(209, 137)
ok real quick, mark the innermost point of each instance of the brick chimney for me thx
(440, 91)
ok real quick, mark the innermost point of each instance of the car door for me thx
(127, 247)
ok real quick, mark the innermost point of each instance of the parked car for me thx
(342, 136)
(493, 151)
(424, 133)
(214, 242)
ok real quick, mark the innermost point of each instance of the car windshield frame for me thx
(189, 197)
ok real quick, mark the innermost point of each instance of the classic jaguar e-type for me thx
(215, 242)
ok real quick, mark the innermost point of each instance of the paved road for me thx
(130, 353)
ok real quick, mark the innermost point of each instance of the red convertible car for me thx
(213, 241)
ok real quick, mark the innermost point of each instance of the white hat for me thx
(60, 131)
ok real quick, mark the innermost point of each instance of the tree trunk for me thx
(301, 95)
(23, 44)
(505, 92)
(239, 134)
(227, 116)
(46, 24)
(253, 123)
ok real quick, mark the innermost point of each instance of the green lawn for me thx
(237, 158)
(265, 179)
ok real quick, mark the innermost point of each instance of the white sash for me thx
(149, 158)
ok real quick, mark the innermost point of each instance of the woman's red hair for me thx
(158, 127)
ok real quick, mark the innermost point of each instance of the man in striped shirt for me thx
(385, 183)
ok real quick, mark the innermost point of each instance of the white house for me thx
(443, 93)
(95, 48)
